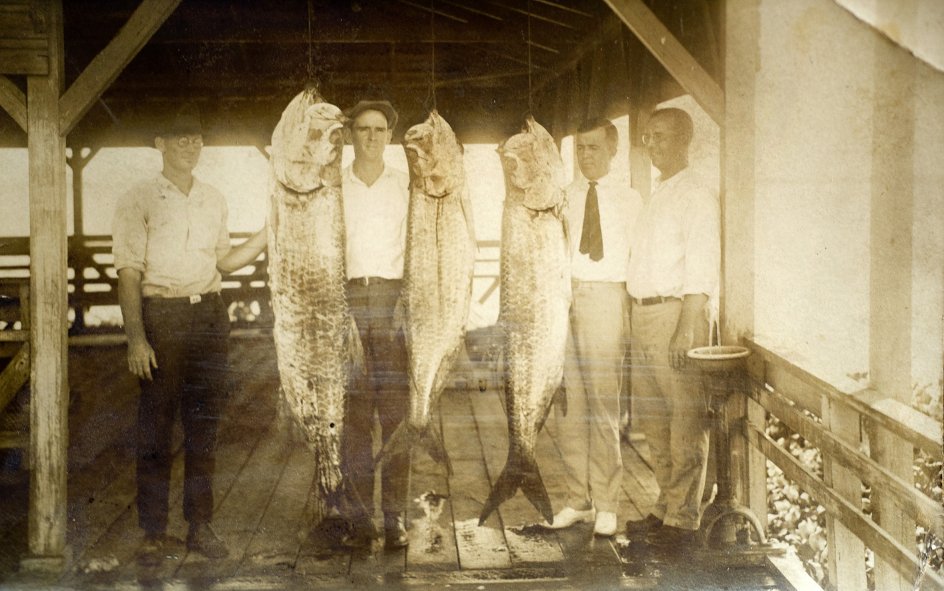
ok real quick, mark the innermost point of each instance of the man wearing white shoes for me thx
(601, 212)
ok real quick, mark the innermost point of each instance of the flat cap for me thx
(383, 106)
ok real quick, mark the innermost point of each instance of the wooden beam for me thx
(48, 307)
(13, 101)
(672, 55)
(14, 376)
(108, 64)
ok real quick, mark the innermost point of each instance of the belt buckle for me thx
(195, 299)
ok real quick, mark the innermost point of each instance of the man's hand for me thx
(682, 341)
(141, 359)
(684, 338)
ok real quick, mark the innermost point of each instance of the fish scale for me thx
(438, 269)
(534, 306)
(314, 333)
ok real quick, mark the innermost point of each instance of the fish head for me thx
(435, 156)
(306, 143)
(534, 171)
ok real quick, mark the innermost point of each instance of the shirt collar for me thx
(674, 179)
(610, 179)
(350, 176)
(169, 189)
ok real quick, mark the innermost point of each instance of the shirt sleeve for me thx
(129, 232)
(702, 243)
(222, 240)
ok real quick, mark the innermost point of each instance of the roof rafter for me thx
(108, 64)
(672, 55)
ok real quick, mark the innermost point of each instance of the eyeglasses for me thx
(187, 141)
(650, 139)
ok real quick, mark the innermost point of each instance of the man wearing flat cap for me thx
(376, 198)
(169, 232)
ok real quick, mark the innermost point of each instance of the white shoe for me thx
(568, 517)
(605, 525)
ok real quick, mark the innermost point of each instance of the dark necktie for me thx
(591, 238)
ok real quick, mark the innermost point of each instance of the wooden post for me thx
(892, 218)
(48, 308)
(846, 560)
(79, 256)
(741, 53)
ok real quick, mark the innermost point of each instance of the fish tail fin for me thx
(560, 399)
(349, 505)
(401, 442)
(521, 471)
(355, 348)
(406, 436)
(399, 317)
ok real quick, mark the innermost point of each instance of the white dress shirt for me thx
(173, 239)
(375, 223)
(619, 205)
(676, 248)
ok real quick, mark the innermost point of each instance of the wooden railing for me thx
(851, 431)
(93, 281)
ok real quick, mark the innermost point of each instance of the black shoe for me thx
(395, 531)
(638, 527)
(201, 539)
(151, 552)
(671, 538)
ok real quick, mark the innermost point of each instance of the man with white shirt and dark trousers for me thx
(169, 233)
(673, 268)
(376, 200)
(601, 210)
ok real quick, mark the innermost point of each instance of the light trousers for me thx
(672, 407)
(589, 436)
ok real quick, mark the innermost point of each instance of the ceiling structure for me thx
(482, 63)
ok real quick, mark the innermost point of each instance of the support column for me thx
(79, 259)
(741, 42)
(48, 310)
(891, 279)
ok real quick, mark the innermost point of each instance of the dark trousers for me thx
(382, 388)
(190, 344)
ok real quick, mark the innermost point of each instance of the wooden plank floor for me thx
(263, 488)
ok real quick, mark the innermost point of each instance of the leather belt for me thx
(365, 281)
(204, 298)
(655, 300)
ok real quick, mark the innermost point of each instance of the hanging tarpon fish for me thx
(534, 305)
(438, 268)
(316, 339)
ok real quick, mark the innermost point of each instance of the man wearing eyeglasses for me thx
(673, 268)
(169, 232)
(601, 211)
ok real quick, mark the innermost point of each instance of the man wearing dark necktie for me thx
(601, 212)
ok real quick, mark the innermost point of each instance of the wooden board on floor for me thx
(479, 547)
(430, 515)
(581, 549)
(528, 545)
(275, 544)
(241, 509)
